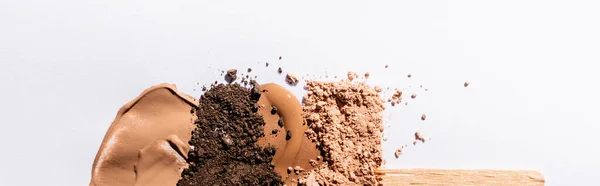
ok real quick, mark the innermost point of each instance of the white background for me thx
(67, 66)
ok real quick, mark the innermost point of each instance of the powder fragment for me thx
(280, 122)
(279, 57)
(244, 81)
(466, 84)
(346, 121)
(419, 137)
(398, 152)
(273, 110)
(249, 70)
(386, 66)
(423, 117)
(367, 75)
(413, 96)
(377, 88)
(291, 79)
(288, 135)
(396, 97)
(279, 70)
(267, 64)
(256, 90)
(231, 75)
(298, 169)
(409, 75)
(352, 75)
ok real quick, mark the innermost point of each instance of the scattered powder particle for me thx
(244, 81)
(409, 75)
(288, 135)
(384, 139)
(291, 79)
(396, 97)
(377, 88)
(279, 57)
(352, 75)
(267, 64)
(467, 83)
(419, 137)
(280, 122)
(279, 70)
(249, 70)
(346, 121)
(423, 117)
(398, 152)
(413, 96)
(386, 66)
(203, 87)
(298, 169)
(273, 110)
(367, 75)
(231, 75)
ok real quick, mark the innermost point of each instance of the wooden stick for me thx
(460, 177)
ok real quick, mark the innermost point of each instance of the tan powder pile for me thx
(346, 122)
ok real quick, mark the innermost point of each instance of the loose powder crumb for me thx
(231, 75)
(413, 96)
(346, 122)
(466, 84)
(352, 75)
(291, 79)
(396, 97)
(367, 75)
(419, 137)
(377, 88)
(398, 152)
(279, 70)
(423, 117)
(386, 66)
(409, 75)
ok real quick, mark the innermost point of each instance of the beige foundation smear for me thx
(147, 142)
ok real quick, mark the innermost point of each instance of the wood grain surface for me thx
(460, 177)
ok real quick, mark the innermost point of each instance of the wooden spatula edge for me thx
(460, 177)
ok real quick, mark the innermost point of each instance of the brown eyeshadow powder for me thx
(224, 149)
(346, 122)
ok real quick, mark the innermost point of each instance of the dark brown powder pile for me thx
(346, 122)
(224, 149)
